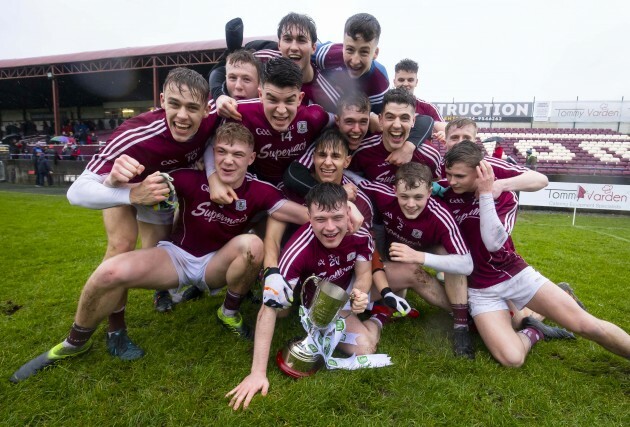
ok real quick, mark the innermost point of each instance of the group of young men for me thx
(310, 135)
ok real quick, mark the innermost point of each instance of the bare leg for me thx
(369, 334)
(236, 264)
(146, 268)
(554, 303)
(508, 347)
(410, 276)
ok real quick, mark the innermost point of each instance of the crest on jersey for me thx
(351, 256)
(241, 204)
(302, 127)
(416, 234)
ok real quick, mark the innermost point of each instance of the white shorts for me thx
(149, 215)
(190, 269)
(520, 289)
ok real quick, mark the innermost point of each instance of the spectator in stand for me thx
(43, 170)
(75, 153)
(498, 151)
(66, 151)
(92, 138)
(51, 153)
(511, 158)
(531, 160)
(112, 123)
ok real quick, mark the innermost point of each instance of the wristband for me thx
(270, 270)
(385, 291)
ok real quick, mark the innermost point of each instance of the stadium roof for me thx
(114, 53)
(92, 78)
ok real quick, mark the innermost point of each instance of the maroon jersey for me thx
(501, 168)
(490, 268)
(374, 83)
(147, 139)
(304, 256)
(424, 108)
(369, 159)
(318, 91)
(276, 150)
(202, 226)
(362, 201)
(434, 226)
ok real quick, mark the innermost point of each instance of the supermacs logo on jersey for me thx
(302, 127)
(241, 204)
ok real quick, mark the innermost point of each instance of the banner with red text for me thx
(612, 197)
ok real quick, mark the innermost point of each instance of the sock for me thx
(78, 336)
(380, 319)
(117, 321)
(232, 303)
(460, 316)
(532, 335)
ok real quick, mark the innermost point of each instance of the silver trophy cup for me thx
(297, 359)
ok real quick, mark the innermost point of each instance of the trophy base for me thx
(296, 361)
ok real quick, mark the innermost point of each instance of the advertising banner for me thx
(582, 111)
(487, 111)
(611, 197)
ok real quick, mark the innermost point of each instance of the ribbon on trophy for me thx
(323, 341)
(171, 200)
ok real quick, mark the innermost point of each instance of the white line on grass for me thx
(605, 234)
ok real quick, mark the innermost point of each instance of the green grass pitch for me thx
(50, 248)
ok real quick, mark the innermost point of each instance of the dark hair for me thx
(467, 152)
(231, 132)
(332, 138)
(399, 96)
(407, 65)
(303, 23)
(354, 99)
(196, 83)
(244, 56)
(364, 25)
(414, 175)
(281, 72)
(327, 196)
(460, 123)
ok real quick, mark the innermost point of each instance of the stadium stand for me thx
(567, 151)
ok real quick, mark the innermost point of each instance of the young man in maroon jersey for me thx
(328, 158)
(325, 249)
(419, 231)
(243, 77)
(229, 259)
(297, 35)
(396, 120)
(509, 177)
(124, 178)
(352, 65)
(500, 274)
(282, 127)
(406, 77)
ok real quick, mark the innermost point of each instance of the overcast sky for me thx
(468, 50)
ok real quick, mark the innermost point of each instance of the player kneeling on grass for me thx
(500, 274)
(323, 248)
(207, 249)
(416, 226)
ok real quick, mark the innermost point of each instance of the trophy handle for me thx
(312, 278)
